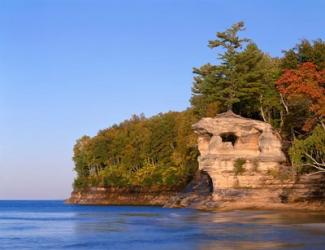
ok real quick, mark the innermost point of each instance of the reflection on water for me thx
(245, 245)
(53, 225)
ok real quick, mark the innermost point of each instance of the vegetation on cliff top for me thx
(157, 151)
(160, 151)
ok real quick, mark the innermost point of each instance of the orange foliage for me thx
(308, 82)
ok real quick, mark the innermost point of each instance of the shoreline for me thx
(223, 208)
(218, 206)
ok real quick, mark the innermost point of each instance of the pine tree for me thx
(243, 81)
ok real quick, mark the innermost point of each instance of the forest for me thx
(161, 151)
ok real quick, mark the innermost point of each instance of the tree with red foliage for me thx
(307, 82)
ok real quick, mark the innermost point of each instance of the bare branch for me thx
(318, 172)
(314, 160)
(284, 104)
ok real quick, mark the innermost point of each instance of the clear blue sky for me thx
(72, 67)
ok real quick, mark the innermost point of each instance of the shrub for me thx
(282, 173)
(239, 166)
(94, 181)
(115, 176)
(308, 154)
(171, 176)
(80, 183)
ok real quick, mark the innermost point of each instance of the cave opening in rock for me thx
(201, 184)
(229, 137)
(208, 183)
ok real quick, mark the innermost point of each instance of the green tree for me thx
(243, 81)
(305, 51)
(156, 151)
(309, 154)
(221, 80)
(80, 156)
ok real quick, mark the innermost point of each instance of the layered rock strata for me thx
(244, 160)
(229, 138)
(121, 196)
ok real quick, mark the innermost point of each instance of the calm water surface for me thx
(53, 225)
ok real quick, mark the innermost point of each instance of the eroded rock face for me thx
(121, 196)
(228, 137)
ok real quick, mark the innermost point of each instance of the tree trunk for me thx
(282, 119)
(284, 104)
(263, 114)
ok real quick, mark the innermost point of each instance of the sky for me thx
(71, 67)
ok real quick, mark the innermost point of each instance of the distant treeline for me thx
(287, 92)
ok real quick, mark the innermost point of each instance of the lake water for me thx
(53, 225)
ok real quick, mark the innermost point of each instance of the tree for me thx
(309, 154)
(257, 73)
(243, 81)
(305, 51)
(305, 82)
(224, 76)
(206, 98)
(156, 151)
(80, 156)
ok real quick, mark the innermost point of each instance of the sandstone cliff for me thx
(121, 196)
(244, 160)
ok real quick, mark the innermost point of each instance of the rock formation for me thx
(229, 138)
(121, 196)
(244, 160)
